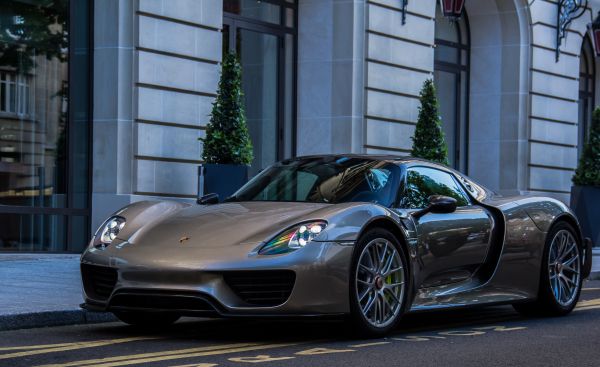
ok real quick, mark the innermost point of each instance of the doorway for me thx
(263, 35)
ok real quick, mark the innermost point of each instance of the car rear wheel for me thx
(378, 283)
(147, 319)
(560, 280)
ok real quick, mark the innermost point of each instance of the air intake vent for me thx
(160, 300)
(98, 281)
(262, 288)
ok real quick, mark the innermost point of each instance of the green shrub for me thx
(588, 170)
(227, 139)
(428, 141)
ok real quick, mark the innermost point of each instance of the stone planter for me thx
(221, 179)
(585, 202)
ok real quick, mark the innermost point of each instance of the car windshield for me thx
(324, 180)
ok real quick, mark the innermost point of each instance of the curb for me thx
(53, 318)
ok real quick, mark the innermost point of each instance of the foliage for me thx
(588, 171)
(28, 30)
(227, 139)
(428, 141)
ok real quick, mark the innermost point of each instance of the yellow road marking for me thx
(316, 351)
(259, 359)
(149, 355)
(500, 328)
(41, 346)
(590, 289)
(73, 346)
(592, 302)
(193, 355)
(587, 308)
(368, 344)
(197, 365)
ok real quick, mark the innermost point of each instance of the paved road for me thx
(486, 337)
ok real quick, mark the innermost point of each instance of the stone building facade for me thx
(335, 76)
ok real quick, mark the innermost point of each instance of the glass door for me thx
(261, 33)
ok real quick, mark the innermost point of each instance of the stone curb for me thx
(52, 318)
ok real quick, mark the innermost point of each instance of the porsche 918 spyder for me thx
(367, 237)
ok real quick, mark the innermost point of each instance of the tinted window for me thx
(324, 180)
(422, 182)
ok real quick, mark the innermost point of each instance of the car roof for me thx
(374, 157)
(482, 192)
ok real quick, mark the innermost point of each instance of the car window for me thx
(324, 180)
(288, 186)
(423, 182)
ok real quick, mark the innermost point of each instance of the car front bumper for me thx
(190, 287)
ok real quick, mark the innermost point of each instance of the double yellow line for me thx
(127, 360)
(63, 347)
(588, 305)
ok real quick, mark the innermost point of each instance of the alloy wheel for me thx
(380, 282)
(564, 267)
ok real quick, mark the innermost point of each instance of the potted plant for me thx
(585, 194)
(428, 140)
(227, 151)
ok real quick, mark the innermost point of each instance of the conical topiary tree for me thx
(428, 141)
(588, 170)
(227, 139)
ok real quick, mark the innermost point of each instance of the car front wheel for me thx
(378, 283)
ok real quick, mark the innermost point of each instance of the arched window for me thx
(587, 86)
(452, 54)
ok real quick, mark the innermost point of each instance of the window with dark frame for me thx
(45, 129)
(264, 36)
(451, 76)
(587, 89)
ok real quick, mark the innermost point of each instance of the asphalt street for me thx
(495, 336)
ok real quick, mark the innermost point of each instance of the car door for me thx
(451, 246)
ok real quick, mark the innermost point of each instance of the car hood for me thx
(227, 224)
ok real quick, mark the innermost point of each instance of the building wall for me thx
(156, 72)
(330, 76)
(554, 101)
(359, 76)
(523, 104)
(398, 60)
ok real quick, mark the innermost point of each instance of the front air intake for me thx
(261, 288)
(98, 281)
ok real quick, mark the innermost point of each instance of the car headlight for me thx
(109, 231)
(293, 239)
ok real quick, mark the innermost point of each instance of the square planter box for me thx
(222, 179)
(585, 202)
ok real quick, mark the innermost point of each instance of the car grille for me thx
(262, 288)
(160, 301)
(98, 281)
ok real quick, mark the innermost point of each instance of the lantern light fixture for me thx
(452, 9)
(568, 11)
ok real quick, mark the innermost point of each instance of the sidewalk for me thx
(42, 290)
(39, 290)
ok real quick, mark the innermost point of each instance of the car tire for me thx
(560, 284)
(377, 298)
(147, 319)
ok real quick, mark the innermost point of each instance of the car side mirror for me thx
(438, 204)
(208, 199)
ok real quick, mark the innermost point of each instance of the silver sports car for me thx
(368, 237)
